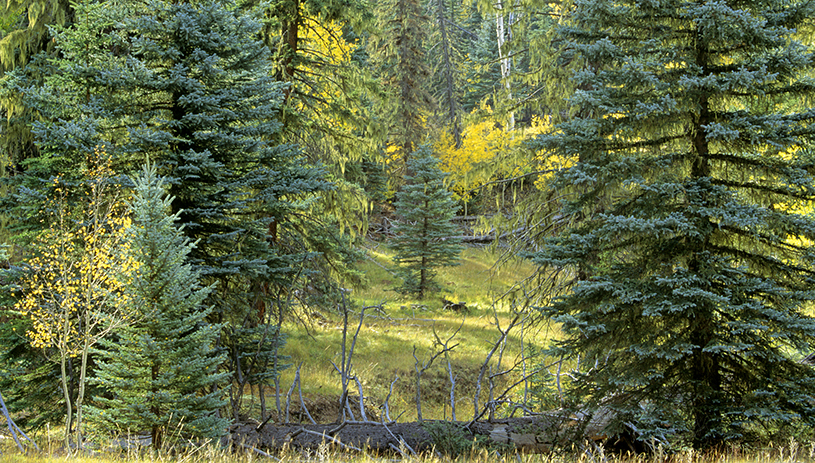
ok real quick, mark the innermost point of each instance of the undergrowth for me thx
(451, 439)
(787, 452)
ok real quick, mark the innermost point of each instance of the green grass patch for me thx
(477, 280)
(385, 346)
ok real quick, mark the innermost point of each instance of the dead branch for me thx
(347, 360)
(387, 414)
(449, 368)
(263, 423)
(452, 392)
(485, 365)
(13, 428)
(489, 236)
(394, 447)
(260, 452)
(276, 361)
(400, 440)
(361, 400)
(302, 402)
(334, 431)
(295, 382)
(333, 440)
(420, 370)
(509, 388)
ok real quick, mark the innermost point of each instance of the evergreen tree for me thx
(692, 183)
(399, 52)
(447, 72)
(161, 369)
(23, 34)
(191, 86)
(315, 47)
(425, 236)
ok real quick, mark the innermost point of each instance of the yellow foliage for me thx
(485, 143)
(324, 41)
(81, 264)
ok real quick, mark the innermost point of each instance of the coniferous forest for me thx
(183, 182)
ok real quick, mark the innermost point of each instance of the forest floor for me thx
(396, 337)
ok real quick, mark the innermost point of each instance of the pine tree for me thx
(192, 87)
(399, 52)
(425, 237)
(162, 368)
(690, 306)
(315, 47)
(447, 72)
(23, 34)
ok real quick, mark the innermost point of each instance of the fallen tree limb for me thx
(14, 429)
(259, 452)
(527, 434)
(334, 440)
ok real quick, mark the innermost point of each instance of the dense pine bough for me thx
(689, 247)
(190, 87)
(425, 238)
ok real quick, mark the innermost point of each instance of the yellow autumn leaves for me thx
(80, 263)
(486, 145)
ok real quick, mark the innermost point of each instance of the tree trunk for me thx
(83, 369)
(155, 431)
(505, 61)
(63, 360)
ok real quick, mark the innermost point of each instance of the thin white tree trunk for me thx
(501, 31)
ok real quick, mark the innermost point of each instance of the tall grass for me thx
(790, 452)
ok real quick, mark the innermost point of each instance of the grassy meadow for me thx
(385, 346)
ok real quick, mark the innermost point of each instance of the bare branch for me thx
(424, 366)
(484, 366)
(387, 415)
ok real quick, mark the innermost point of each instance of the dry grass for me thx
(790, 452)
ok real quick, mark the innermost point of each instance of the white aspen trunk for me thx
(501, 31)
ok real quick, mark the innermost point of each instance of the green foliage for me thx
(685, 225)
(398, 51)
(23, 33)
(544, 391)
(315, 48)
(483, 75)
(191, 87)
(162, 367)
(452, 440)
(425, 237)
(447, 76)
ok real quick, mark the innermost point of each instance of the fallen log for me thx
(533, 434)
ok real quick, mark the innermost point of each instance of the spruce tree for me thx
(399, 52)
(425, 235)
(692, 270)
(162, 367)
(191, 86)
